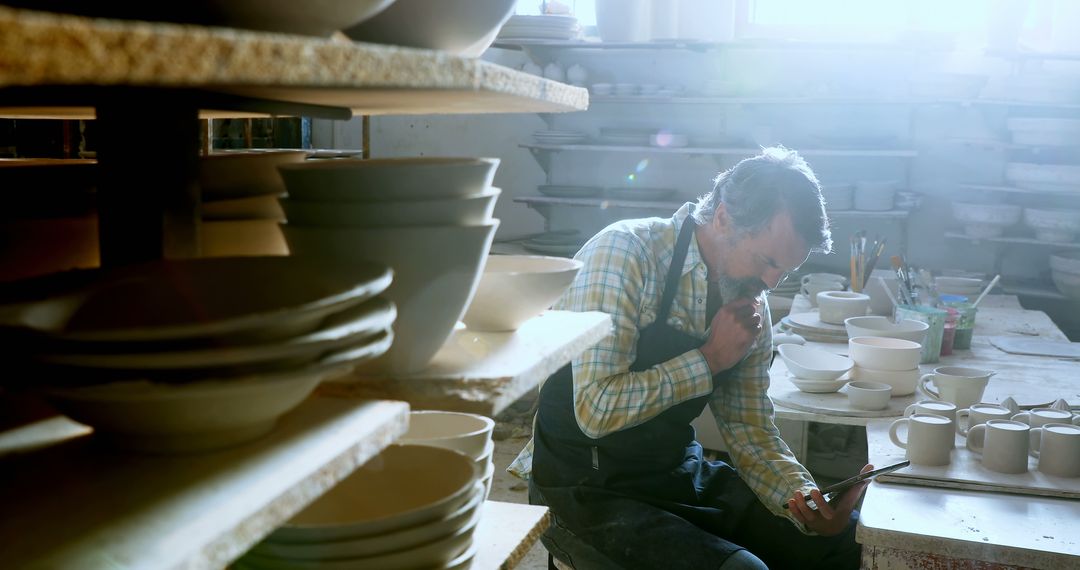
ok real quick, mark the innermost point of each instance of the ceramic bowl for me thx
(903, 382)
(884, 353)
(230, 300)
(363, 547)
(863, 395)
(818, 386)
(812, 363)
(907, 329)
(454, 26)
(228, 175)
(968, 286)
(467, 433)
(198, 416)
(388, 179)
(402, 487)
(1060, 225)
(1067, 283)
(436, 271)
(253, 208)
(516, 288)
(488, 478)
(836, 306)
(1065, 261)
(463, 211)
(241, 238)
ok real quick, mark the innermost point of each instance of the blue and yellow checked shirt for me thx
(623, 276)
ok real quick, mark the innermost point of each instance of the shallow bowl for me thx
(388, 179)
(907, 329)
(809, 363)
(516, 288)
(467, 433)
(463, 27)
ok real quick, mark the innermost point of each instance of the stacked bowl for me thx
(1059, 225)
(986, 220)
(429, 219)
(469, 434)
(412, 506)
(191, 355)
(885, 360)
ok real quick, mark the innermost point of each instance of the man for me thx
(613, 453)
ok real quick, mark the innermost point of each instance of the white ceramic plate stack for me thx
(1044, 131)
(546, 27)
(1065, 271)
(986, 220)
(412, 506)
(1061, 225)
(429, 219)
(190, 355)
(810, 326)
(559, 137)
(465, 433)
(1063, 178)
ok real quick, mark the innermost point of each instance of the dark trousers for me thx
(597, 530)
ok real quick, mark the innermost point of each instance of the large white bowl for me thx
(436, 270)
(230, 174)
(454, 26)
(402, 487)
(907, 329)
(199, 416)
(467, 433)
(884, 353)
(388, 179)
(404, 539)
(812, 363)
(516, 288)
(463, 211)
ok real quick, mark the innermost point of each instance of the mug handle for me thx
(893, 435)
(1076, 419)
(922, 384)
(1035, 442)
(1022, 417)
(966, 412)
(909, 410)
(976, 435)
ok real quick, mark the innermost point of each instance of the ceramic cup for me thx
(935, 407)
(839, 305)
(929, 438)
(864, 395)
(1039, 417)
(815, 283)
(1057, 447)
(978, 414)
(1003, 445)
(959, 385)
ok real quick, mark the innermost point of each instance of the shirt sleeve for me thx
(744, 413)
(607, 397)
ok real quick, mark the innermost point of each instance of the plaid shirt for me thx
(623, 276)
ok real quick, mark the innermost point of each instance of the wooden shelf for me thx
(506, 533)
(484, 372)
(221, 66)
(71, 504)
(739, 151)
(1014, 240)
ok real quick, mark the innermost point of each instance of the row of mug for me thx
(1003, 444)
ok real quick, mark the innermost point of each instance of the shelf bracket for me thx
(542, 156)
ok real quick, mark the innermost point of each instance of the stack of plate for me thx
(412, 506)
(429, 219)
(809, 326)
(557, 137)
(465, 433)
(188, 355)
(547, 27)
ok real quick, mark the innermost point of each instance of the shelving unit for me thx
(1016, 240)
(71, 503)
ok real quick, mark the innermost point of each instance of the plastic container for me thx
(931, 351)
(965, 324)
(948, 335)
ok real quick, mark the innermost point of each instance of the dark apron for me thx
(659, 461)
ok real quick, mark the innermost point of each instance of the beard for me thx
(732, 288)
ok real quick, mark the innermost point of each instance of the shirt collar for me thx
(693, 254)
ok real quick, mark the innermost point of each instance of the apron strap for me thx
(671, 282)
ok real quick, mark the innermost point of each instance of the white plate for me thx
(340, 331)
(819, 386)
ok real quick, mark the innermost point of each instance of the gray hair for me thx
(759, 187)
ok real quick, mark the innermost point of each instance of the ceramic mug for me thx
(835, 306)
(815, 283)
(1003, 445)
(1039, 417)
(978, 414)
(957, 384)
(935, 407)
(930, 438)
(1057, 447)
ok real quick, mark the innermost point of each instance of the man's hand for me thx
(828, 520)
(734, 328)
